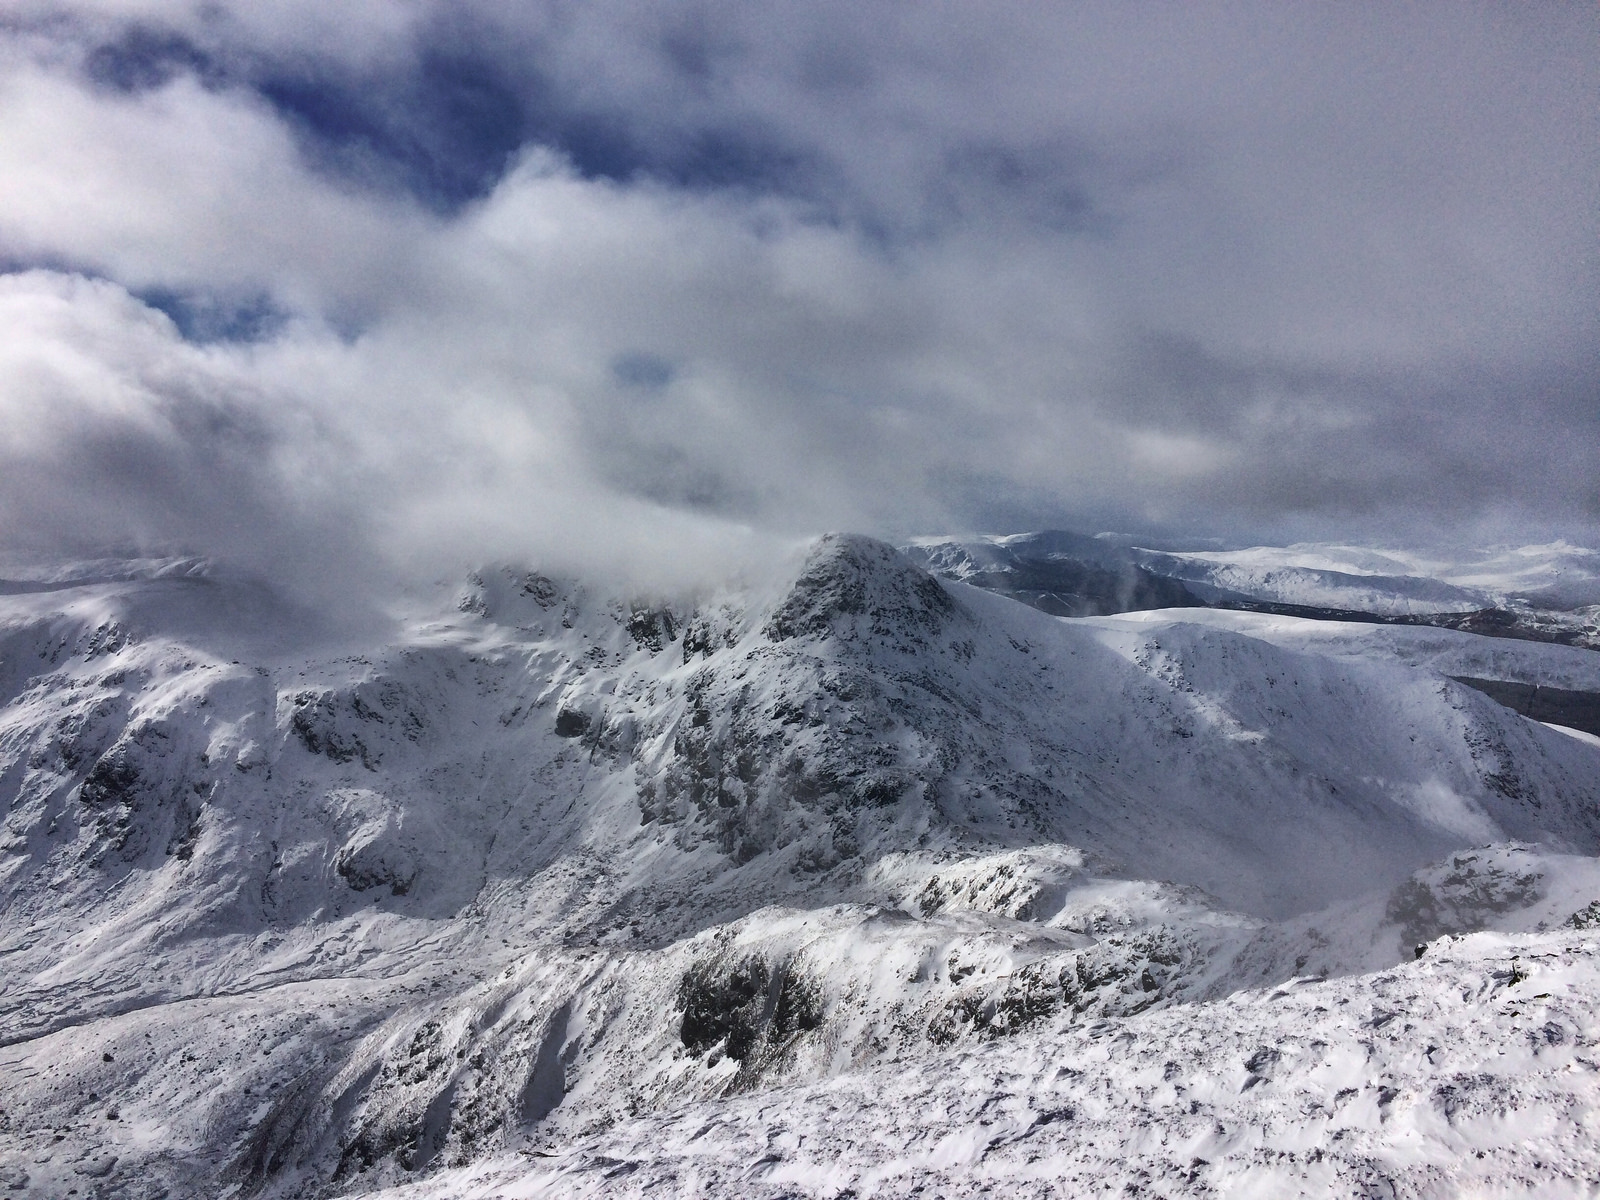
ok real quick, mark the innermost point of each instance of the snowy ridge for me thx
(1471, 1072)
(546, 861)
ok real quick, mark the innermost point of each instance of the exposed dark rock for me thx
(1587, 917)
(351, 724)
(1461, 896)
(1115, 977)
(541, 589)
(316, 722)
(721, 1005)
(140, 795)
(571, 723)
(114, 779)
(652, 628)
(746, 1007)
(847, 576)
(373, 862)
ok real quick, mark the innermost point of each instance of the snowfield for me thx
(854, 883)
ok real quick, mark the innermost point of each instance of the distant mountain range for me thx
(1547, 593)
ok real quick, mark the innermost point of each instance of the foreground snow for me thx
(1475, 1071)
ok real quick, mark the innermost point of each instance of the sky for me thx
(382, 288)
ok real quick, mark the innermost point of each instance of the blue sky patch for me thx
(205, 317)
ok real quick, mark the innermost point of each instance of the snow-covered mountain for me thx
(1064, 574)
(512, 894)
(1541, 593)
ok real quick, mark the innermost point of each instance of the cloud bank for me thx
(385, 287)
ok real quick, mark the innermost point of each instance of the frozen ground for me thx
(778, 891)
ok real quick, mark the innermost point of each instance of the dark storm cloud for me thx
(563, 275)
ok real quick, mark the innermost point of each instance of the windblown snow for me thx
(868, 883)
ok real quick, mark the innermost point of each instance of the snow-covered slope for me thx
(293, 911)
(1554, 576)
(1265, 574)
(1469, 1073)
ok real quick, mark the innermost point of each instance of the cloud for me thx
(383, 289)
(116, 433)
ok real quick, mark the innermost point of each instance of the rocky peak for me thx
(853, 585)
